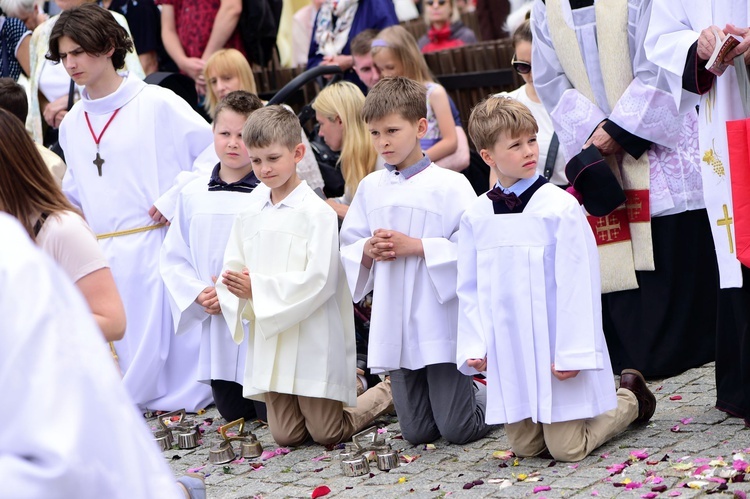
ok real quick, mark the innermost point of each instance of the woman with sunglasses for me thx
(445, 27)
(550, 164)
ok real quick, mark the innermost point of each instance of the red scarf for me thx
(440, 39)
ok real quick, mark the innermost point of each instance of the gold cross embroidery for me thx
(607, 229)
(727, 221)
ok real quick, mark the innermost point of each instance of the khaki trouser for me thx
(293, 419)
(572, 440)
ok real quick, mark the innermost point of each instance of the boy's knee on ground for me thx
(566, 448)
(287, 439)
(423, 435)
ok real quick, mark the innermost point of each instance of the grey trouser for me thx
(438, 400)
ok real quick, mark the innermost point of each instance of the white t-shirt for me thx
(543, 137)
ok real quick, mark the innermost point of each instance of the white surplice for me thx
(154, 136)
(414, 306)
(646, 109)
(529, 294)
(675, 25)
(301, 338)
(70, 429)
(193, 253)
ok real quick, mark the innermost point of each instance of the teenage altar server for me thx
(193, 254)
(681, 38)
(591, 73)
(125, 142)
(72, 430)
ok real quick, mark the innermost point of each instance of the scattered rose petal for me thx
(665, 458)
(675, 429)
(675, 397)
(502, 482)
(740, 465)
(686, 420)
(594, 493)
(196, 470)
(696, 484)
(738, 494)
(435, 489)
(320, 491)
(239, 461)
(176, 457)
(650, 495)
(740, 477)
(402, 479)
(605, 455)
(541, 488)
(469, 485)
(407, 458)
(658, 389)
(551, 464)
(502, 465)
(516, 462)
(268, 454)
(478, 482)
(574, 466)
(675, 493)
(638, 455)
(700, 469)
(521, 477)
(633, 485)
(322, 457)
(616, 468)
(256, 466)
(659, 488)
(382, 430)
(318, 470)
(652, 463)
(682, 466)
(503, 454)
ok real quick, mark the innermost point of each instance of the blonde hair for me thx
(498, 114)
(405, 49)
(358, 157)
(455, 13)
(227, 62)
(272, 125)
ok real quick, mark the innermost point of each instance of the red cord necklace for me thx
(99, 161)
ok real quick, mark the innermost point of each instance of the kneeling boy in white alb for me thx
(530, 309)
(283, 274)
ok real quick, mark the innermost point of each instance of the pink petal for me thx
(675, 493)
(675, 397)
(650, 495)
(542, 488)
(701, 469)
(196, 470)
(594, 493)
(633, 485)
(675, 429)
(320, 491)
(686, 420)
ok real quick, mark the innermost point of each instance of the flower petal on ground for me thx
(320, 491)
(541, 488)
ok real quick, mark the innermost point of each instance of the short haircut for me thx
(227, 62)
(362, 43)
(95, 30)
(396, 95)
(239, 101)
(523, 33)
(13, 98)
(15, 8)
(272, 125)
(498, 114)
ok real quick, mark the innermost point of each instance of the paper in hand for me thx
(716, 63)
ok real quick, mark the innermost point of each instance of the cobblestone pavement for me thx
(689, 449)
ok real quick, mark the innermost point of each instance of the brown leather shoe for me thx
(633, 380)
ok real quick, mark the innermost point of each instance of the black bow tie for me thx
(510, 200)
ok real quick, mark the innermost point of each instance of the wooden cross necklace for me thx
(99, 161)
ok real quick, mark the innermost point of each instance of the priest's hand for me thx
(478, 364)
(238, 283)
(563, 375)
(209, 301)
(603, 141)
(156, 215)
(742, 47)
(707, 42)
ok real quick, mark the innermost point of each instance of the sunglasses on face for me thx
(521, 67)
(430, 3)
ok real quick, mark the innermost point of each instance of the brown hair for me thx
(362, 43)
(406, 50)
(13, 98)
(396, 95)
(272, 125)
(95, 30)
(27, 188)
(498, 114)
(239, 101)
(522, 33)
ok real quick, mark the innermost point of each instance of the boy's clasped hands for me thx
(238, 283)
(386, 245)
(481, 366)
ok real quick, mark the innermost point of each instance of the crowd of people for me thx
(199, 252)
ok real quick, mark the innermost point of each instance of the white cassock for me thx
(675, 25)
(529, 294)
(193, 253)
(301, 339)
(153, 138)
(70, 429)
(414, 308)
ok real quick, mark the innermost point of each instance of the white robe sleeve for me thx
(470, 343)
(193, 134)
(667, 43)
(232, 307)
(180, 274)
(578, 301)
(574, 116)
(355, 231)
(281, 301)
(69, 186)
(440, 253)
